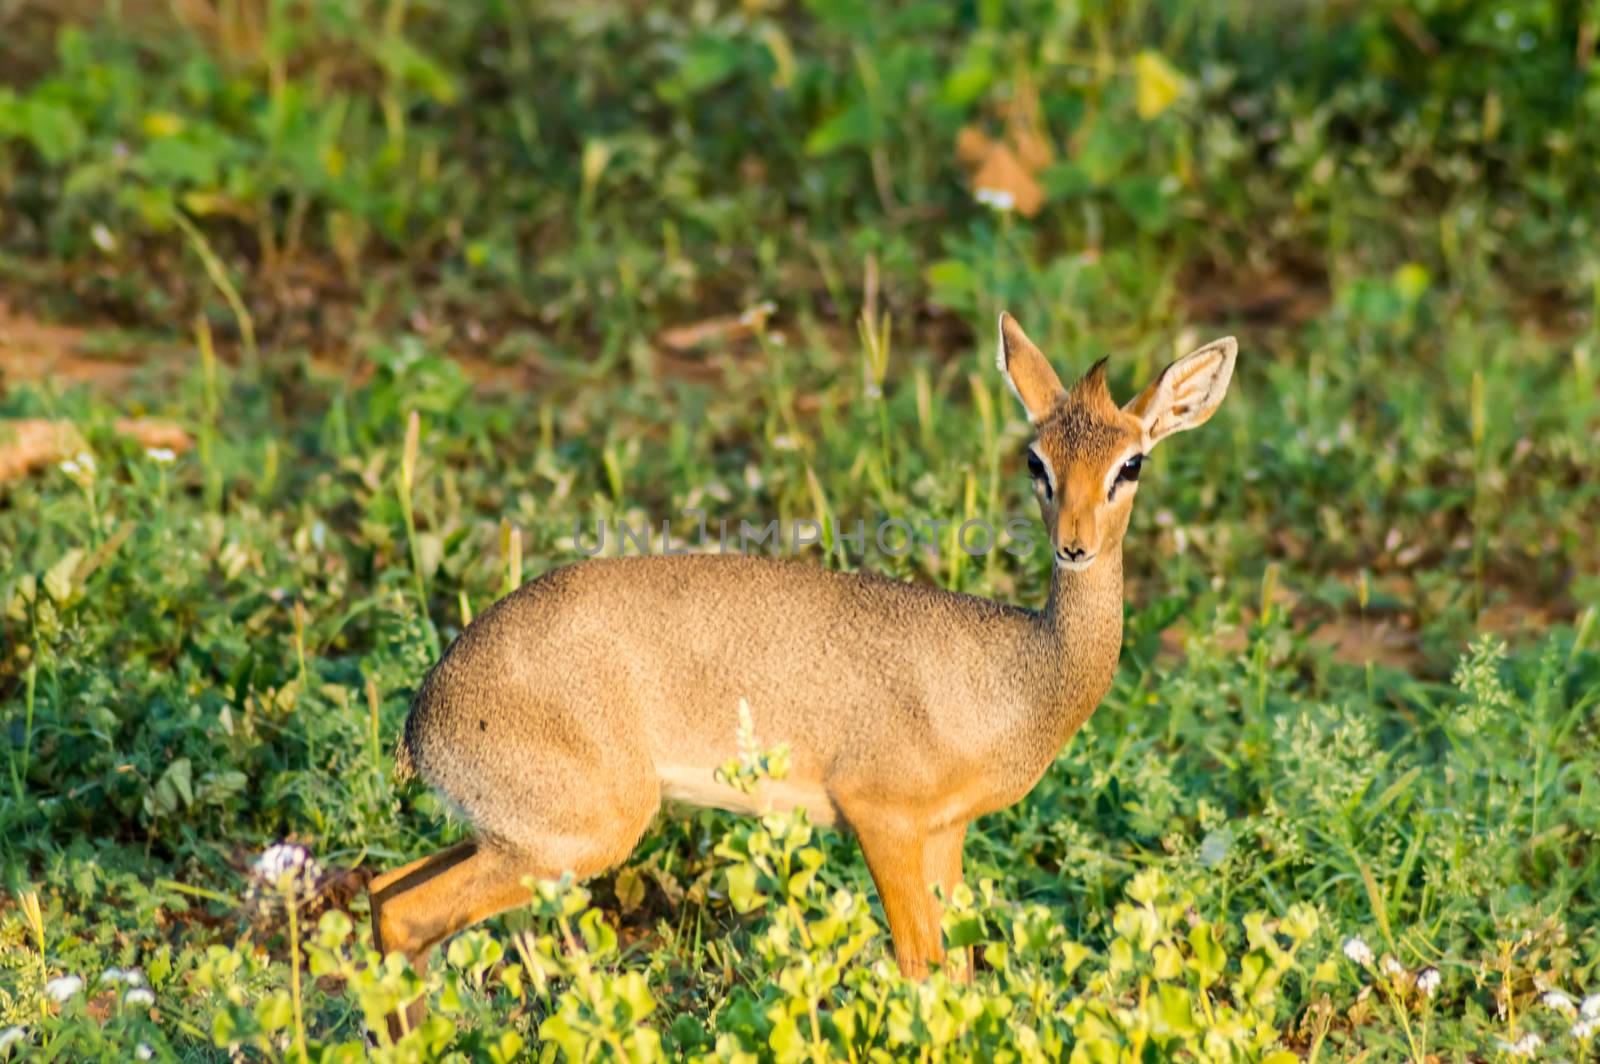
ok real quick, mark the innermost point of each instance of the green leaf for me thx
(216, 788)
(160, 966)
(852, 127)
(417, 68)
(188, 159)
(846, 16)
(1064, 180)
(334, 928)
(275, 1011)
(1145, 200)
(558, 1028)
(951, 279)
(786, 1041)
(53, 130)
(742, 888)
(970, 79)
(629, 887)
(1107, 147)
(1168, 961)
(504, 1049)
(634, 992)
(1208, 958)
(1176, 1009)
(223, 1028)
(707, 62)
(174, 790)
(966, 931)
(58, 581)
(1147, 886)
(1073, 954)
(1300, 922)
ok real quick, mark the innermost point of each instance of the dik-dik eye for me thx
(1036, 471)
(1127, 474)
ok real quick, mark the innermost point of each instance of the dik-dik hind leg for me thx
(896, 857)
(416, 907)
(942, 868)
(383, 890)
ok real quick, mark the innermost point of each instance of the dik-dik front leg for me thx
(907, 862)
(942, 869)
(896, 854)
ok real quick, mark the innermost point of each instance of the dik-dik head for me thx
(1086, 455)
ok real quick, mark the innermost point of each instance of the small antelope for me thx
(559, 719)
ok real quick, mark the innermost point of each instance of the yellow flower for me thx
(160, 124)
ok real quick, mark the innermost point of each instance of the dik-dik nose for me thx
(1073, 553)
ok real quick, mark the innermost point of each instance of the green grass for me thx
(1359, 690)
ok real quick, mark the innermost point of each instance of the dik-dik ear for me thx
(1027, 370)
(1186, 393)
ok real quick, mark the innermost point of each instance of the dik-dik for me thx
(559, 719)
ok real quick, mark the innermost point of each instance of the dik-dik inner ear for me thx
(1186, 393)
(1027, 370)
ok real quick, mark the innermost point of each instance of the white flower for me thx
(278, 859)
(63, 988)
(131, 976)
(1562, 1003)
(1428, 981)
(1584, 1029)
(138, 996)
(10, 1037)
(102, 237)
(79, 467)
(1526, 1046)
(1358, 951)
(286, 865)
(998, 198)
(143, 1051)
(1390, 967)
(161, 455)
(1591, 1006)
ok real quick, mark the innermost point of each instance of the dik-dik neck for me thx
(1079, 632)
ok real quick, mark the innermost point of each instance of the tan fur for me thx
(561, 717)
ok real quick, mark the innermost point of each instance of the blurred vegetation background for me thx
(322, 322)
(589, 176)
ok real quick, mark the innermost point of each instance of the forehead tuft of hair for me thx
(1092, 388)
(1087, 419)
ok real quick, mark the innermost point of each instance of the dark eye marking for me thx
(1036, 471)
(1128, 473)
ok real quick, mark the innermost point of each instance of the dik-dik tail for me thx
(404, 767)
(405, 758)
(405, 764)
